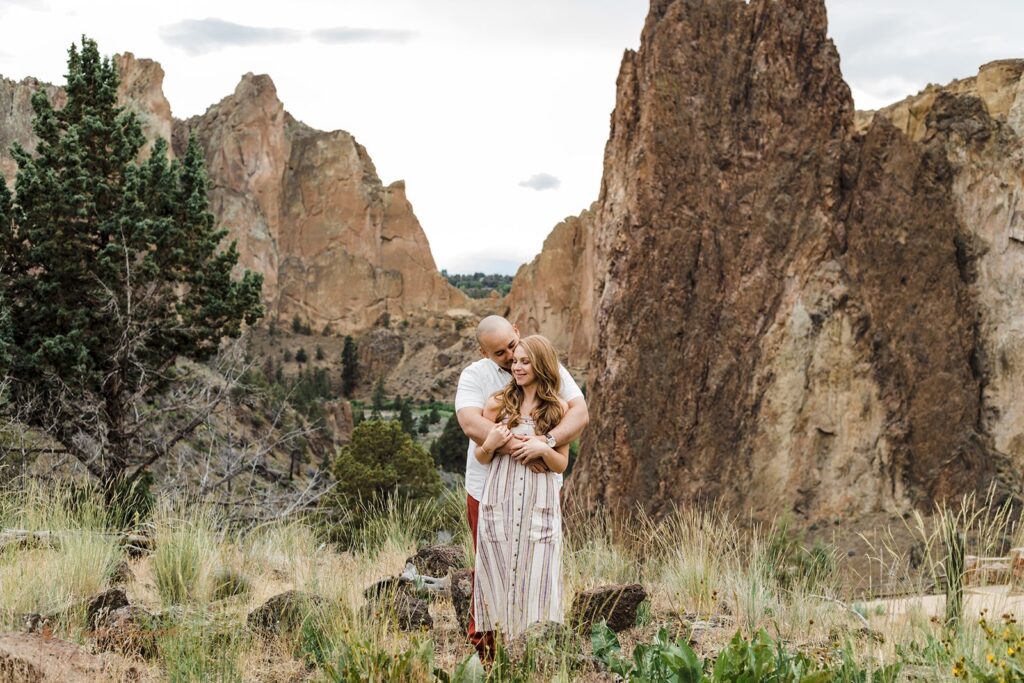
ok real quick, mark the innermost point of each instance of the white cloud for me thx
(201, 36)
(541, 182)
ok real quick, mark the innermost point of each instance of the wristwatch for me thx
(551, 440)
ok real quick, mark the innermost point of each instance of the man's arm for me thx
(571, 426)
(573, 422)
(474, 424)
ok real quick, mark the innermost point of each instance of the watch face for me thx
(551, 441)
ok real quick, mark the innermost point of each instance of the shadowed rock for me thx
(615, 604)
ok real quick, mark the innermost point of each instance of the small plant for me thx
(662, 660)
(362, 660)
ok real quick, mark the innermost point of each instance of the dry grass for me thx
(700, 566)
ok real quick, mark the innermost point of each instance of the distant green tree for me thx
(297, 324)
(449, 449)
(434, 416)
(382, 461)
(349, 367)
(405, 419)
(287, 355)
(300, 356)
(319, 352)
(423, 425)
(398, 403)
(112, 271)
(379, 397)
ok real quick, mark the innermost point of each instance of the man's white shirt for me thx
(476, 384)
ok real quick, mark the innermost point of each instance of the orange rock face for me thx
(334, 245)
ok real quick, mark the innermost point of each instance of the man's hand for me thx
(529, 450)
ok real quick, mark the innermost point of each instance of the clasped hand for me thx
(528, 450)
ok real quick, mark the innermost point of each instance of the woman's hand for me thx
(530, 450)
(496, 438)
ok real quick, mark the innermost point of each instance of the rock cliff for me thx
(335, 246)
(553, 295)
(797, 308)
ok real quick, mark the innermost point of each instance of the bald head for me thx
(492, 324)
(497, 338)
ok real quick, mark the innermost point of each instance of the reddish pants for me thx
(483, 641)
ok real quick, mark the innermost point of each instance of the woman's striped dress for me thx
(518, 578)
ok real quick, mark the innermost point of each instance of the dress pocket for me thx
(492, 523)
(545, 524)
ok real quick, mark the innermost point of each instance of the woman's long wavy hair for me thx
(544, 362)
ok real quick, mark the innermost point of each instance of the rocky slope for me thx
(335, 246)
(796, 308)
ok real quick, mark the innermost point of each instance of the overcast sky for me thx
(494, 112)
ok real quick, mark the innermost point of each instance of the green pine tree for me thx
(349, 367)
(449, 449)
(112, 271)
(405, 418)
(434, 416)
(379, 396)
(300, 356)
(423, 426)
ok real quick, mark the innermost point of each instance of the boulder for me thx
(438, 560)
(33, 658)
(101, 603)
(406, 611)
(616, 604)
(128, 630)
(283, 612)
(462, 592)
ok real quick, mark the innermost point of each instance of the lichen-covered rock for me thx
(462, 594)
(400, 608)
(615, 604)
(283, 612)
(128, 630)
(438, 560)
(101, 603)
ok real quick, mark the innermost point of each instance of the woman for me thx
(519, 538)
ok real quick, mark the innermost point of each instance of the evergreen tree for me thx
(435, 416)
(449, 449)
(112, 270)
(287, 355)
(382, 461)
(406, 420)
(398, 403)
(300, 356)
(319, 352)
(349, 367)
(423, 424)
(379, 396)
(297, 324)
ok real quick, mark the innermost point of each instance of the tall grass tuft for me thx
(69, 562)
(186, 554)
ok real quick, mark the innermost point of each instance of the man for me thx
(498, 338)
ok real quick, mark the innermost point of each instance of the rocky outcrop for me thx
(553, 295)
(788, 312)
(335, 245)
(28, 658)
(16, 118)
(977, 126)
